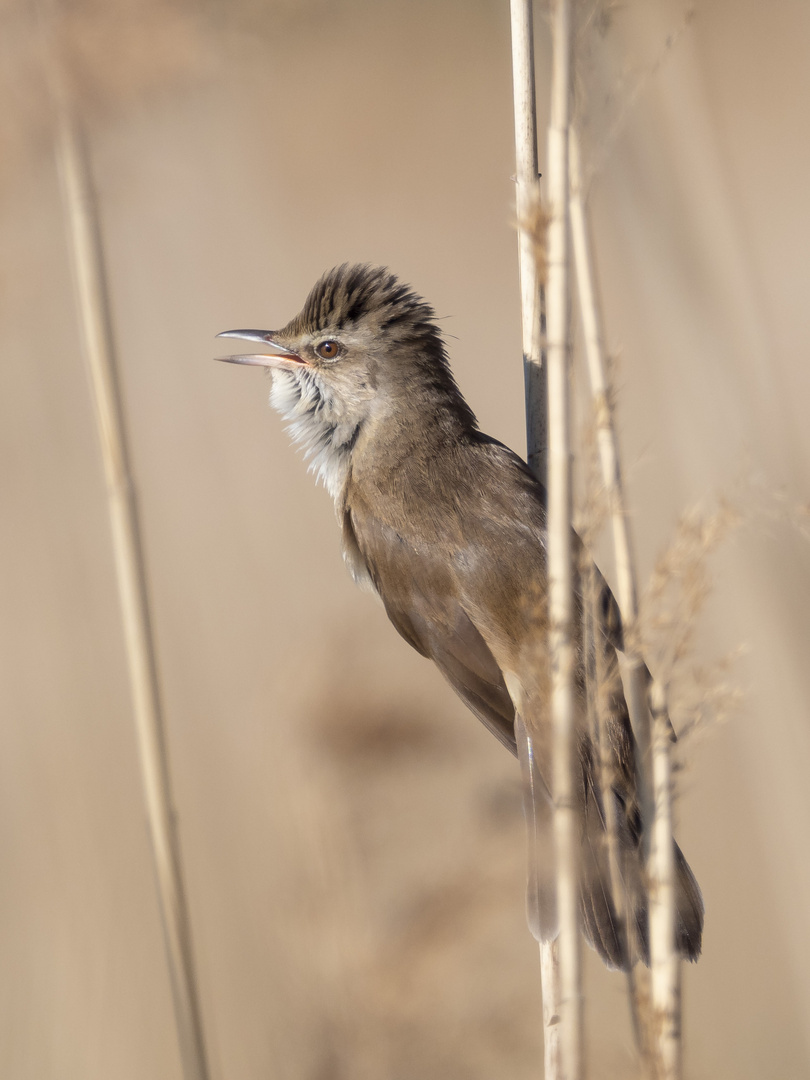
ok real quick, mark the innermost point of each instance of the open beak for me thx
(278, 359)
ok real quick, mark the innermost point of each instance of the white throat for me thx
(315, 423)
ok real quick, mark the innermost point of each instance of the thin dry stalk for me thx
(550, 977)
(527, 200)
(560, 568)
(634, 669)
(627, 593)
(665, 960)
(653, 755)
(94, 319)
(531, 260)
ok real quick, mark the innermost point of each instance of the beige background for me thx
(353, 839)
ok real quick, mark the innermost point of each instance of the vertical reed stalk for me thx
(553, 1065)
(560, 569)
(94, 319)
(653, 766)
(526, 184)
(665, 960)
(627, 594)
(532, 311)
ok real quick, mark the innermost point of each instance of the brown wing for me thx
(421, 600)
(467, 589)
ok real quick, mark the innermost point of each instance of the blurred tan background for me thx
(352, 837)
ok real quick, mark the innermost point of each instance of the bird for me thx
(447, 526)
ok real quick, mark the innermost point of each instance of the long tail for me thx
(604, 928)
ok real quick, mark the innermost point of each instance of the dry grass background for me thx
(353, 840)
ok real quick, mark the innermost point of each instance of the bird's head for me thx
(363, 354)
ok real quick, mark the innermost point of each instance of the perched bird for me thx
(448, 526)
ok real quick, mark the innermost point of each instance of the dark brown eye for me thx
(328, 350)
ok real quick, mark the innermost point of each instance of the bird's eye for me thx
(328, 350)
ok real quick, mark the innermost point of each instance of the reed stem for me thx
(659, 1039)
(567, 824)
(93, 310)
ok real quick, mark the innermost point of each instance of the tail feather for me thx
(605, 931)
(604, 928)
(689, 900)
